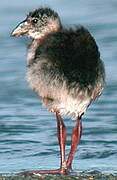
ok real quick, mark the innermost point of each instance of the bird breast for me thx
(53, 89)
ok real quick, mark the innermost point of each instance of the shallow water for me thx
(27, 131)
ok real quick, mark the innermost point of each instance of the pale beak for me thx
(21, 29)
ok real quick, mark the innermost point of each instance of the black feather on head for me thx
(40, 12)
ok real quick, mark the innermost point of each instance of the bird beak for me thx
(21, 29)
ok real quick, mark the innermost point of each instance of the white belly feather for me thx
(54, 90)
(55, 94)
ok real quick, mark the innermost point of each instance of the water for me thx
(27, 131)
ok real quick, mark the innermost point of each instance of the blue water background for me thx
(27, 130)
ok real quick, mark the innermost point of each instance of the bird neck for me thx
(37, 42)
(31, 50)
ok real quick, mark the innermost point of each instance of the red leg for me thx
(75, 139)
(65, 165)
(61, 132)
(62, 140)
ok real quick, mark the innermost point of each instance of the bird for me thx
(65, 70)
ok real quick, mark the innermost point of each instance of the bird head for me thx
(38, 24)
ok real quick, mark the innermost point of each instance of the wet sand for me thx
(80, 176)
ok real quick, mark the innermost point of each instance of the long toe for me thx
(44, 172)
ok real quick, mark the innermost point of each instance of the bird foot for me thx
(60, 171)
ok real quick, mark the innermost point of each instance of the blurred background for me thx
(27, 130)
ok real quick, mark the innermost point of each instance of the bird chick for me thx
(64, 68)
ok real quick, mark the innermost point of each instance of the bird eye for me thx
(35, 21)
